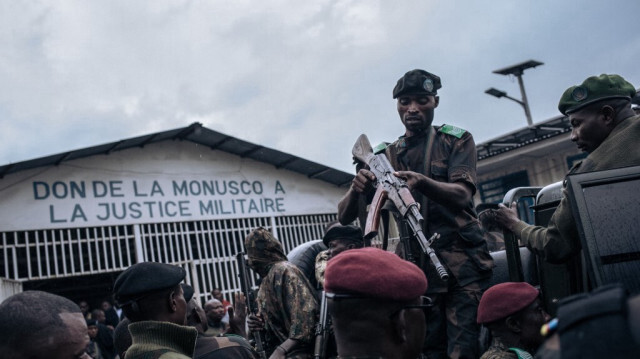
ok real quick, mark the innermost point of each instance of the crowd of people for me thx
(381, 304)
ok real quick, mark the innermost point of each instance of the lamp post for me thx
(517, 71)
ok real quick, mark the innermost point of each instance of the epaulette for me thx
(452, 130)
(380, 148)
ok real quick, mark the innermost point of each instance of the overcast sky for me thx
(303, 77)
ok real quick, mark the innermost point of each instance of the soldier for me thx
(439, 165)
(287, 306)
(337, 239)
(151, 296)
(514, 314)
(35, 324)
(208, 347)
(376, 305)
(604, 126)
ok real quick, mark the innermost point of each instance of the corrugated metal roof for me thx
(529, 135)
(201, 135)
(523, 137)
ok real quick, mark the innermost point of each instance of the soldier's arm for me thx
(555, 243)
(284, 348)
(558, 241)
(348, 207)
(300, 304)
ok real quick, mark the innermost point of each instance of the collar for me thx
(165, 335)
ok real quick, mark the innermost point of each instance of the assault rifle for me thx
(322, 330)
(389, 186)
(243, 273)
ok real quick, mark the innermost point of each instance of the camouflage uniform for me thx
(321, 265)
(498, 350)
(285, 298)
(559, 240)
(229, 347)
(447, 154)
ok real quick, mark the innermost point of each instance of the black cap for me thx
(92, 323)
(188, 291)
(417, 82)
(338, 231)
(146, 277)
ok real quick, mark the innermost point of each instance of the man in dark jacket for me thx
(439, 166)
(152, 298)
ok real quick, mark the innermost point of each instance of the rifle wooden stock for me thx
(373, 217)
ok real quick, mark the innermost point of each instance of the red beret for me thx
(375, 273)
(505, 299)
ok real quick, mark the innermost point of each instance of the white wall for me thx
(161, 182)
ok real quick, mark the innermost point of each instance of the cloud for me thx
(303, 77)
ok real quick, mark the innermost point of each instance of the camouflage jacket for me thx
(288, 305)
(229, 347)
(446, 154)
(321, 265)
(498, 350)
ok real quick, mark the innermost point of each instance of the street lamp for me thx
(517, 71)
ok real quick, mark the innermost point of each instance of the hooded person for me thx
(287, 306)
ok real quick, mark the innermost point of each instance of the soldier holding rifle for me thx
(439, 166)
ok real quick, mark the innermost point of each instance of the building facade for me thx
(536, 156)
(70, 223)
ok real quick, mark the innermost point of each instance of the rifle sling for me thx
(425, 170)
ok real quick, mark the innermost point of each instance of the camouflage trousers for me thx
(452, 331)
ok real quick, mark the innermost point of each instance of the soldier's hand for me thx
(255, 322)
(507, 217)
(363, 181)
(414, 179)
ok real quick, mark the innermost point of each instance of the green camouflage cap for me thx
(418, 82)
(263, 247)
(594, 89)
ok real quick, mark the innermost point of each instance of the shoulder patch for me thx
(452, 130)
(380, 148)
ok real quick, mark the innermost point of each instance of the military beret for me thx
(146, 277)
(594, 89)
(187, 291)
(505, 299)
(372, 272)
(338, 231)
(417, 82)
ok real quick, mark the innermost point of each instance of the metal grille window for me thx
(206, 249)
(42, 254)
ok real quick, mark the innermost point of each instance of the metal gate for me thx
(206, 249)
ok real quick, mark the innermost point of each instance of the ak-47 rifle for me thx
(243, 273)
(322, 330)
(389, 186)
